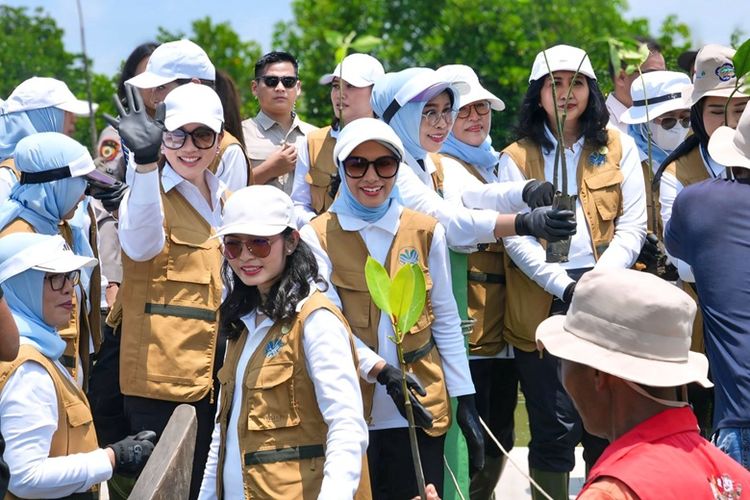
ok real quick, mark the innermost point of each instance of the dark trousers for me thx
(104, 393)
(391, 467)
(496, 383)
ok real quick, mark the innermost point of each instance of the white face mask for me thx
(668, 140)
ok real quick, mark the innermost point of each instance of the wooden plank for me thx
(167, 473)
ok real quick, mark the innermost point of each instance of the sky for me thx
(115, 27)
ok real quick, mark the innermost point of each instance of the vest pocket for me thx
(186, 256)
(270, 397)
(355, 297)
(606, 191)
(78, 414)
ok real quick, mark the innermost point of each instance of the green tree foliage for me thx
(498, 39)
(228, 52)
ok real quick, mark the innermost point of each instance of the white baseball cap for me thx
(561, 58)
(461, 72)
(731, 147)
(173, 61)
(714, 73)
(41, 252)
(363, 130)
(360, 70)
(258, 210)
(664, 91)
(193, 103)
(41, 92)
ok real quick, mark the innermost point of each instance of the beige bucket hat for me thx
(714, 73)
(629, 324)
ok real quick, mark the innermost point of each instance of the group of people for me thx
(205, 260)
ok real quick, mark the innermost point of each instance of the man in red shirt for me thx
(624, 346)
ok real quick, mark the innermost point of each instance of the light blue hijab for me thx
(483, 156)
(408, 118)
(24, 295)
(16, 126)
(44, 205)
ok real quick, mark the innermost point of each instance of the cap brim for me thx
(148, 80)
(563, 344)
(354, 80)
(722, 149)
(78, 107)
(482, 95)
(101, 177)
(638, 114)
(251, 229)
(178, 120)
(63, 262)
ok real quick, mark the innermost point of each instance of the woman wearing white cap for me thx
(315, 182)
(420, 105)
(368, 218)
(290, 375)
(492, 369)
(54, 172)
(167, 305)
(58, 455)
(36, 105)
(659, 116)
(604, 170)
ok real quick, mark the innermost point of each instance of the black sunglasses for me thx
(203, 138)
(273, 81)
(385, 166)
(669, 123)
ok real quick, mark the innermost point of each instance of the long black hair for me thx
(130, 65)
(282, 299)
(532, 117)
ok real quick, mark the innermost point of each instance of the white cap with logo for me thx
(360, 70)
(561, 58)
(714, 73)
(42, 92)
(193, 103)
(258, 210)
(181, 59)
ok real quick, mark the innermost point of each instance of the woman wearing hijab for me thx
(57, 455)
(54, 170)
(367, 218)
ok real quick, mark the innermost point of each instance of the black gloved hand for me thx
(650, 252)
(390, 377)
(568, 293)
(139, 131)
(333, 187)
(546, 223)
(131, 453)
(538, 194)
(467, 418)
(110, 196)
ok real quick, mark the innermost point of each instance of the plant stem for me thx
(650, 152)
(410, 418)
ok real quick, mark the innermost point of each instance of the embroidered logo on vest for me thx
(273, 347)
(408, 255)
(724, 488)
(597, 158)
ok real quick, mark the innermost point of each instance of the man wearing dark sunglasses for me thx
(270, 136)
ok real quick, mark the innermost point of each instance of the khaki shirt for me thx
(263, 136)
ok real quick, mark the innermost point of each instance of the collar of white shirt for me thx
(574, 148)
(266, 122)
(170, 179)
(388, 222)
(615, 107)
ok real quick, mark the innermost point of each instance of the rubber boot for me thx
(484, 482)
(555, 484)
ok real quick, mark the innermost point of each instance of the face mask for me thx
(668, 140)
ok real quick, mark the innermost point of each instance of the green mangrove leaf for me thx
(333, 38)
(741, 60)
(340, 53)
(408, 295)
(379, 284)
(365, 43)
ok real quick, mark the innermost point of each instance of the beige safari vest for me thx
(600, 194)
(348, 254)
(653, 207)
(75, 427)
(320, 146)
(690, 169)
(486, 293)
(168, 307)
(226, 141)
(84, 325)
(281, 431)
(437, 176)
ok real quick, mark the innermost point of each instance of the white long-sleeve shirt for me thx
(329, 362)
(28, 419)
(630, 227)
(669, 188)
(141, 227)
(446, 330)
(232, 168)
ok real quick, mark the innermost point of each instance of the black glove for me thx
(468, 420)
(110, 196)
(139, 131)
(333, 187)
(538, 194)
(131, 453)
(390, 377)
(548, 223)
(650, 252)
(568, 293)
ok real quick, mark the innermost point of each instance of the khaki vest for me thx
(437, 176)
(653, 207)
(10, 164)
(84, 325)
(348, 254)
(281, 432)
(168, 307)
(600, 194)
(690, 169)
(320, 146)
(226, 141)
(486, 287)
(75, 427)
